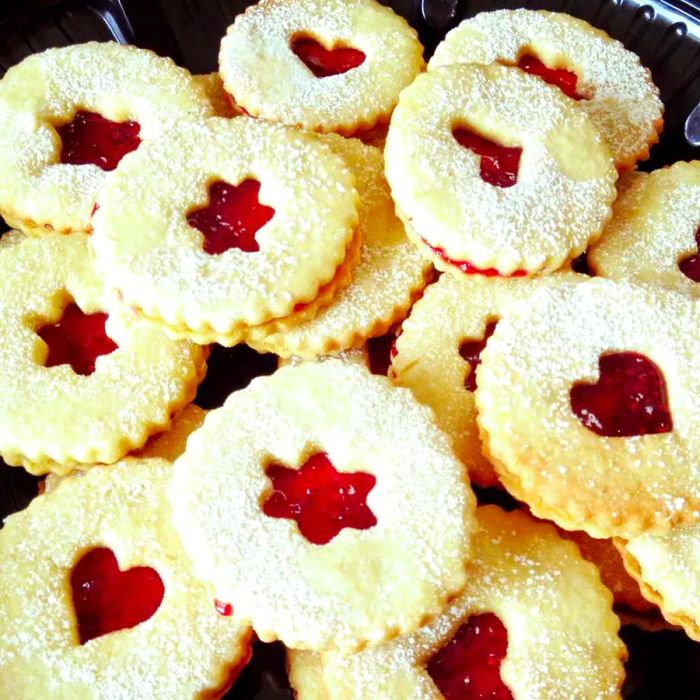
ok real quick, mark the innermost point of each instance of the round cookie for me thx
(357, 516)
(436, 353)
(494, 171)
(79, 623)
(500, 635)
(323, 65)
(57, 150)
(390, 275)
(654, 231)
(588, 406)
(84, 382)
(608, 81)
(224, 224)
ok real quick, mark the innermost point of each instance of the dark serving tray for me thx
(665, 33)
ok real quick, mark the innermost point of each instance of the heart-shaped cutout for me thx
(468, 667)
(232, 217)
(690, 265)
(77, 339)
(471, 350)
(499, 164)
(323, 62)
(90, 139)
(322, 500)
(628, 399)
(565, 80)
(107, 599)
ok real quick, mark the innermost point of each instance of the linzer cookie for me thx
(225, 224)
(100, 600)
(325, 65)
(654, 233)
(84, 382)
(439, 347)
(357, 517)
(608, 82)
(70, 115)
(495, 172)
(588, 403)
(390, 275)
(500, 637)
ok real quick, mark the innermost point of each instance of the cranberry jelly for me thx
(565, 80)
(499, 164)
(323, 62)
(471, 350)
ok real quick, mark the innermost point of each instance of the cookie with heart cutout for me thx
(84, 381)
(389, 277)
(439, 346)
(495, 172)
(608, 82)
(70, 114)
(323, 65)
(499, 636)
(654, 232)
(588, 405)
(101, 601)
(357, 515)
(225, 224)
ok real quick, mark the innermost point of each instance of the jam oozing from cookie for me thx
(468, 666)
(565, 80)
(322, 500)
(232, 218)
(690, 265)
(628, 399)
(77, 339)
(323, 62)
(224, 609)
(107, 599)
(499, 164)
(471, 350)
(90, 139)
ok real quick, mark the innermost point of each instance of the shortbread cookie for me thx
(222, 104)
(494, 171)
(534, 622)
(608, 81)
(357, 516)
(225, 224)
(100, 601)
(69, 115)
(654, 233)
(439, 346)
(324, 65)
(667, 568)
(390, 276)
(588, 406)
(83, 383)
(354, 356)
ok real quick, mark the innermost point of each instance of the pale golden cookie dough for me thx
(653, 228)
(562, 633)
(147, 250)
(543, 454)
(268, 80)
(52, 419)
(38, 193)
(390, 275)
(427, 356)
(221, 102)
(186, 649)
(566, 178)
(363, 586)
(619, 95)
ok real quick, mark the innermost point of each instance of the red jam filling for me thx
(225, 609)
(471, 350)
(628, 399)
(565, 80)
(78, 339)
(323, 62)
(690, 266)
(468, 666)
(499, 164)
(90, 139)
(232, 218)
(107, 599)
(322, 500)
